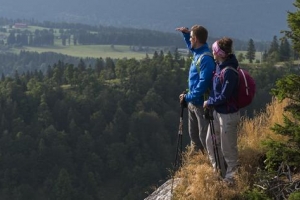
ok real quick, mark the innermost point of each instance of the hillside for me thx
(259, 20)
(197, 180)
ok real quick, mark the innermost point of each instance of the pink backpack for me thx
(246, 88)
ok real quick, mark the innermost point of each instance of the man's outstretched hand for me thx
(183, 29)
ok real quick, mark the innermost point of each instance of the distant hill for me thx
(241, 19)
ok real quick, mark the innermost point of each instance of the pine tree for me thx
(250, 55)
(241, 57)
(30, 40)
(273, 52)
(63, 189)
(11, 39)
(155, 55)
(288, 88)
(287, 152)
(264, 56)
(293, 20)
(176, 55)
(274, 47)
(284, 50)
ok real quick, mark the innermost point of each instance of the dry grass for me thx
(253, 131)
(199, 181)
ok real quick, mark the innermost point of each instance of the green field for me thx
(103, 51)
(83, 51)
(258, 56)
(95, 51)
(92, 51)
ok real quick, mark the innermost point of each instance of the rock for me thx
(164, 192)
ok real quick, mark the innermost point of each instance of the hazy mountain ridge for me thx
(259, 20)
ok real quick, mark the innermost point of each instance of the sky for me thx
(243, 19)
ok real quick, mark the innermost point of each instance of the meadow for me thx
(82, 51)
(103, 51)
(97, 51)
(91, 51)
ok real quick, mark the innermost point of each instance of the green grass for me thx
(82, 51)
(92, 51)
(95, 51)
(257, 56)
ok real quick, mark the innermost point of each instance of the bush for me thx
(294, 196)
(255, 194)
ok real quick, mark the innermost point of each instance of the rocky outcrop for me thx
(164, 192)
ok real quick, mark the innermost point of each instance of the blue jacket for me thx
(224, 93)
(200, 74)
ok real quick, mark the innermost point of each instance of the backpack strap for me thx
(207, 53)
(232, 68)
(228, 67)
(222, 80)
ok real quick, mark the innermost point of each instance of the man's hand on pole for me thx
(182, 101)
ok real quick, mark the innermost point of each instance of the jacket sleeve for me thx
(186, 37)
(207, 67)
(228, 86)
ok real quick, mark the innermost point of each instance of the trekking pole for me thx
(219, 167)
(178, 157)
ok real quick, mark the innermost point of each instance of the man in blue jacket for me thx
(200, 80)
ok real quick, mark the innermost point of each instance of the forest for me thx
(105, 129)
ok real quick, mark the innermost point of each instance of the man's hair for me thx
(200, 33)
